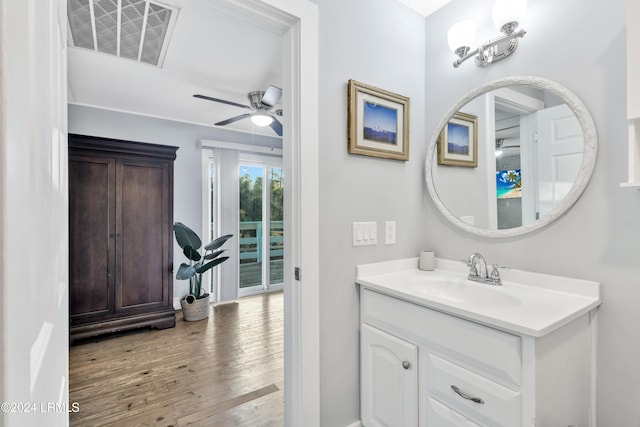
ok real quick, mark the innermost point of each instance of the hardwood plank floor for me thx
(224, 371)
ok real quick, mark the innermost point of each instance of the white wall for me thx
(381, 43)
(33, 214)
(187, 186)
(599, 239)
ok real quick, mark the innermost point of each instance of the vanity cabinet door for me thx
(389, 380)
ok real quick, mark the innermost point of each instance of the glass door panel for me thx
(251, 229)
(212, 275)
(276, 228)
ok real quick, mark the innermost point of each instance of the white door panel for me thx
(34, 213)
(560, 146)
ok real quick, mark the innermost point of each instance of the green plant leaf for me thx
(211, 264)
(185, 271)
(191, 253)
(196, 281)
(213, 255)
(186, 236)
(216, 243)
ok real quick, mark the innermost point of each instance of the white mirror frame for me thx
(584, 175)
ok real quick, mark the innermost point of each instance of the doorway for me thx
(298, 23)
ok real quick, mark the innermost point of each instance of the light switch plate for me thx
(365, 233)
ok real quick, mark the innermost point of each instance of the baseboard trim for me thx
(356, 424)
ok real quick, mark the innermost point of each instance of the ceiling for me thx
(214, 49)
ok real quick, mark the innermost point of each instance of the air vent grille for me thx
(132, 29)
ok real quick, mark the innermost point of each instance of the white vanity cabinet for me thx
(423, 367)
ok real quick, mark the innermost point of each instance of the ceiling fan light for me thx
(261, 119)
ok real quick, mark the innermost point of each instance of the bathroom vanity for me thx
(440, 350)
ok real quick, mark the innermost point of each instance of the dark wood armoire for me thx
(120, 236)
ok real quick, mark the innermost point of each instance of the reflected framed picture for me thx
(509, 184)
(378, 122)
(458, 141)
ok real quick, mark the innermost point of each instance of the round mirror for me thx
(511, 157)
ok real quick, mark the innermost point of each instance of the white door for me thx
(34, 212)
(389, 376)
(560, 144)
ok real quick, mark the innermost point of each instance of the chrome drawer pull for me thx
(466, 396)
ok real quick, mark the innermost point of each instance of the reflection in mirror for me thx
(536, 148)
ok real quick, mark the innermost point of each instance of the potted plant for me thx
(195, 305)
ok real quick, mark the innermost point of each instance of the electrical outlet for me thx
(389, 232)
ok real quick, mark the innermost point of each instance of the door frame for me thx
(299, 22)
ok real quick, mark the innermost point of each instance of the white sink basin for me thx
(465, 291)
(527, 303)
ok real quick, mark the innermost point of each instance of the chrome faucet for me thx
(478, 271)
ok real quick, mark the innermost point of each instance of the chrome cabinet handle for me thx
(466, 396)
(406, 365)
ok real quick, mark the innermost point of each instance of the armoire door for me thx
(143, 244)
(92, 197)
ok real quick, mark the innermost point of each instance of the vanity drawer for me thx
(496, 353)
(443, 416)
(498, 405)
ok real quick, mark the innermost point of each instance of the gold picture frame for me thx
(458, 141)
(377, 122)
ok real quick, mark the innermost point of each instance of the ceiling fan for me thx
(261, 106)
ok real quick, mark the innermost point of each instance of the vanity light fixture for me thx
(261, 119)
(507, 14)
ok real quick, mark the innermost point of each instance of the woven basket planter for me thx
(195, 309)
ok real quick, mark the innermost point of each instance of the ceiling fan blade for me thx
(233, 119)
(209, 98)
(271, 96)
(276, 126)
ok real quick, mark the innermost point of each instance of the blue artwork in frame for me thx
(508, 184)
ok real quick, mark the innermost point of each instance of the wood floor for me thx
(224, 371)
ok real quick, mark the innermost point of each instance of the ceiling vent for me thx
(132, 29)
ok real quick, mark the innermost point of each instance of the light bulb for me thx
(461, 35)
(261, 119)
(507, 14)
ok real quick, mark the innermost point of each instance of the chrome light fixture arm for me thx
(491, 51)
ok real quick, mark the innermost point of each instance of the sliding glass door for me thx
(261, 231)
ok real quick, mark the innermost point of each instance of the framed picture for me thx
(509, 184)
(378, 122)
(458, 141)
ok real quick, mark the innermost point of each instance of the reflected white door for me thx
(560, 146)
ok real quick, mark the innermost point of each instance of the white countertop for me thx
(527, 303)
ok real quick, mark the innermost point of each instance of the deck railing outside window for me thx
(251, 256)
